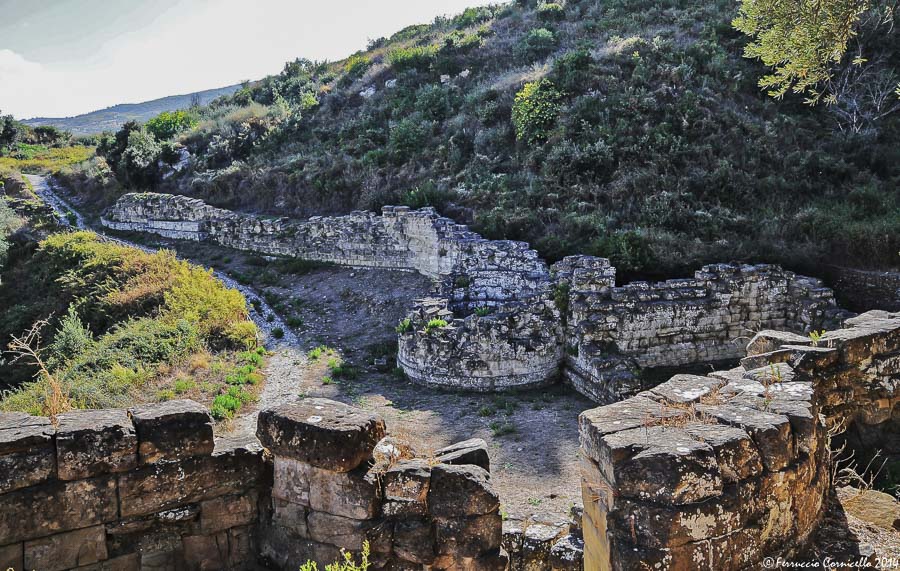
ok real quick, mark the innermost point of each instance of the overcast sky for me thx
(61, 58)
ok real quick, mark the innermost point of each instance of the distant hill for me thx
(111, 118)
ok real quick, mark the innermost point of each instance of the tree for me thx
(169, 123)
(806, 45)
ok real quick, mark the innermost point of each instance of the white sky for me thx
(61, 58)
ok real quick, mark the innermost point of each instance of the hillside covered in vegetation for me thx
(628, 129)
(94, 324)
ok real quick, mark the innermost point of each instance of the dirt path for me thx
(532, 435)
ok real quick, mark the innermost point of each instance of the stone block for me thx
(172, 430)
(290, 516)
(768, 340)
(321, 432)
(684, 389)
(736, 454)
(127, 562)
(162, 486)
(67, 550)
(229, 511)
(27, 454)
(12, 557)
(53, 507)
(414, 540)
(567, 554)
(660, 462)
(464, 490)
(93, 442)
(473, 451)
(349, 533)
(537, 541)
(406, 488)
(770, 432)
(468, 536)
(355, 494)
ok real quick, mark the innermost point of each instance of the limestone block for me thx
(348, 533)
(162, 486)
(27, 455)
(537, 541)
(354, 494)
(38, 511)
(93, 442)
(736, 455)
(290, 516)
(472, 451)
(66, 550)
(12, 557)
(172, 430)
(406, 488)
(321, 432)
(461, 491)
(684, 389)
(660, 462)
(229, 511)
(414, 540)
(770, 432)
(567, 554)
(127, 562)
(468, 536)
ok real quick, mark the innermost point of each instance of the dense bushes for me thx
(638, 132)
(170, 123)
(124, 314)
(535, 110)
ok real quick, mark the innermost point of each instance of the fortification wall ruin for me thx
(510, 320)
(151, 488)
(720, 471)
(614, 331)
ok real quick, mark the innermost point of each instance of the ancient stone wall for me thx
(510, 322)
(613, 331)
(151, 488)
(109, 489)
(864, 290)
(720, 471)
(513, 345)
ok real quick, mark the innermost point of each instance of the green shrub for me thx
(404, 325)
(346, 563)
(170, 123)
(482, 311)
(550, 12)
(535, 111)
(434, 324)
(278, 333)
(407, 138)
(537, 43)
(356, 65)
(573, 71)
(415, 57)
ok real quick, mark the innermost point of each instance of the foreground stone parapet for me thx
(718, 472)
(320, 432)
(329, 494)
(83, 501)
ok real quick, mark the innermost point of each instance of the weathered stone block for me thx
(93, 442)
(54, 507)
(27, 455)
(12, 557)
(406, 488)
(736, 454)
(567, 554)
(414, 540)
(461, 491)
(173, 430)
(768, 340)
(659, 462)
(321, 432)
(353, 494)
(349, 533)
(66, 550)
(229, 511)
(771, 432)
(128, 562)
(537, 541)
(468, 536)
(473, 451)
(162, 486)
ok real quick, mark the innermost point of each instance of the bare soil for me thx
(532, 435)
